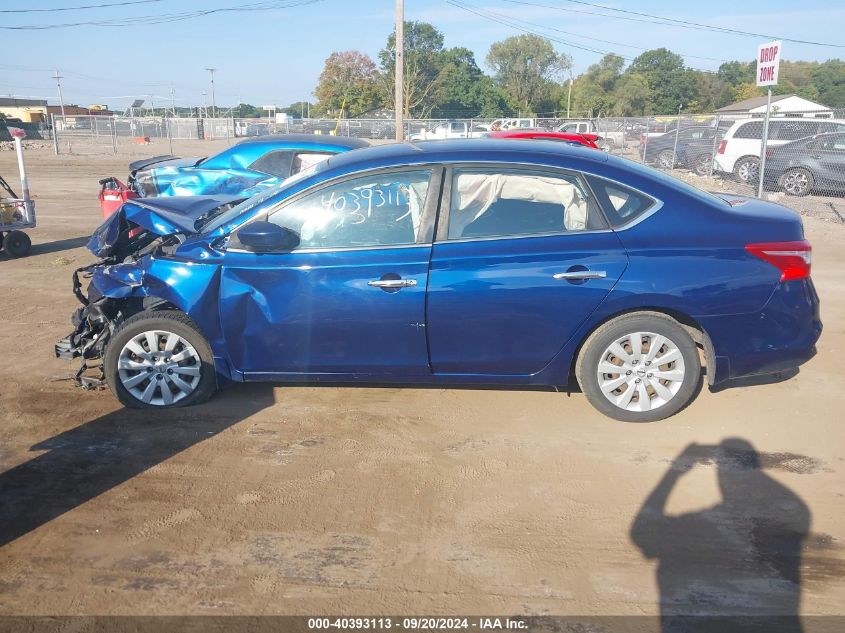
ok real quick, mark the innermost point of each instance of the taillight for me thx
(722, 146)
(793, 259)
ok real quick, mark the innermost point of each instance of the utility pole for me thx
(204, 106)
(173, 100)
(58, 79)
(399, 70)
(213, 100)
(569, 98)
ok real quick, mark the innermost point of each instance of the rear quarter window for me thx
(276, 163)
(621, 204)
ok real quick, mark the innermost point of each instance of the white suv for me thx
(739, 150)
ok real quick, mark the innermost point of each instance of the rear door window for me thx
(515, 202)
(752, 129)
(793, 130)
(304, 160)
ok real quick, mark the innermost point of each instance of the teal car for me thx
(241, 170)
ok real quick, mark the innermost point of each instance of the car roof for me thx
(306, 140)
(462, 150)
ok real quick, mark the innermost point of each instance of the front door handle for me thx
(392, 283)
(581, 274)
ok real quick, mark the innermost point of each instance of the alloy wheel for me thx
(796, 183)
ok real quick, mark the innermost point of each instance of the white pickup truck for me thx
(449, 129)
(612, 134)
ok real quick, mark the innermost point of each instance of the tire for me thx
(140, 382)
(797, 181)
(747, 169)
(620, 395)
(702, 165)
(666, 159)
(16, 243)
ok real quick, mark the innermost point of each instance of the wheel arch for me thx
(739, 160)
(696, 332)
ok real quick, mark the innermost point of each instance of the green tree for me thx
(593, 90)
(829, 80)
(632, 96)
(423, 44)
(247, 111)
(671, 84)
(348, 76)
(457, 95)
(527, 67)
(298, 108)
(735, 73)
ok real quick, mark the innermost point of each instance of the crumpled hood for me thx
(163, 161)
(159, 216)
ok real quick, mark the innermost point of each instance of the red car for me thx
(587, 140)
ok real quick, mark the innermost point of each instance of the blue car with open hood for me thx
(475, 262)
(243, 169)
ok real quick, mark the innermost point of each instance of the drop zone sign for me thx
(768, 63)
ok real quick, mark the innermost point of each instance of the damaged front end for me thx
(127, 244)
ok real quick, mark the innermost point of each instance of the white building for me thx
(782, 105)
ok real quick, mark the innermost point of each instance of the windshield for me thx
(216, 222)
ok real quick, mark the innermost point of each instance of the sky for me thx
(274, 53)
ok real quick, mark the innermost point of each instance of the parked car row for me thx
(803, 155)
(485, 262)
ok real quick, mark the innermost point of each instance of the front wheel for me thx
(639, 368)
(159, 360)
(666, 159)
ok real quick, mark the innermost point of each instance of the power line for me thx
(165, 17)
(507, 21)
(89, 6)
(596, 39)
(663, 21)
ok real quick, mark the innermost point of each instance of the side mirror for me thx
(265, 237)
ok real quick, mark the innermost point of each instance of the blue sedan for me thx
(452, 262)
(241, 170)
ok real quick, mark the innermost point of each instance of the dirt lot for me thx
(300, 500)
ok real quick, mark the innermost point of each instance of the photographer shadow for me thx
(735, 566)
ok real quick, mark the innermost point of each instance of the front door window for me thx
(378, 210)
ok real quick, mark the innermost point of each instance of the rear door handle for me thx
(392, 283)
(581, 274)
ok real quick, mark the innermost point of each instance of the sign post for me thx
(768, 65)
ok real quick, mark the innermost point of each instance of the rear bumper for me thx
(781, 336)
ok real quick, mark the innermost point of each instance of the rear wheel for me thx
(747, 169)
(639, 367)
(702, 165)
(797, 181)
(16, 243)
(159, 360)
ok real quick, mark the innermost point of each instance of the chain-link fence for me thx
(804, 151)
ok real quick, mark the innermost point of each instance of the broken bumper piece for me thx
(93, 324)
